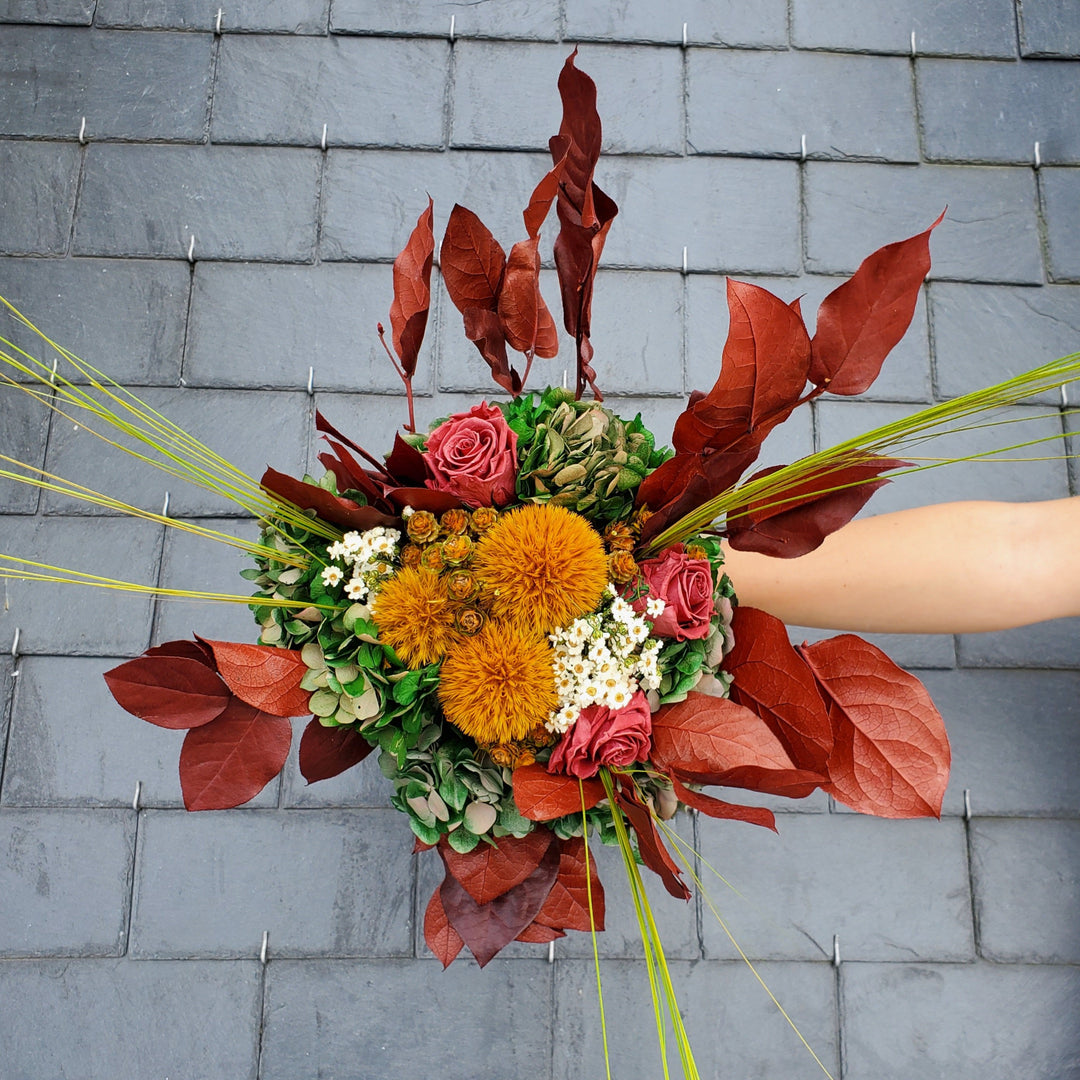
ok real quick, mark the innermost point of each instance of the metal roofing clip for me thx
(913, 50)
(684, 260)
(217, 22)
(264, 946)
(452, 18)
(836, 950)
(311, 382)
(322, 141)
(551, 952)
(138, 792)
(1038, 156)
(165, 506)
(15, 644)
(191, 250)
(82, 132)
(802, 148)
(967, 804)
(684, 35)
(1064, 397)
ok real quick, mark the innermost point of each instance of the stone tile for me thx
(995, 112)
(250, 429)
(907, 650)
(238, 202)
(986, 333)
(368, 92)
(1061, 204)
(284, 16)
(665, 206)
(332, 883)
(126, 317)
(311, 1010)
(68, 12)
(1016, 479)
(66, 619)
(709, 22)
(734, 1028)
(361, 786)
(1014, 738)
(1053, 644)
(976, 28)
(23, 435)
(371, 199)
(890, 890)
(273, 322)
(988, 1021)
(1049, 28)
(761, 103)
(128, 86)
(640, 96)
(1027, 888)
(7, 688)
(189, 561)
(37, 191)
(905, 375)
(212, 1012)
(65, 878)
(989, 234)
(528, 19)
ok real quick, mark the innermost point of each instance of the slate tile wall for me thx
(957, 939)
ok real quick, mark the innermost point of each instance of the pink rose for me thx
(686, 587)
(601, 736)
(473, 455)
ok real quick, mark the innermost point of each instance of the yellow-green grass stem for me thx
(592, 931)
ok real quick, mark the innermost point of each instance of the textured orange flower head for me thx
(415, 616)
(543, 566)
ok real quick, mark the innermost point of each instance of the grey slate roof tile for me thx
(1061, 205)
(495, 86)
(909, 651)
(1049, 28)
(23, 435)
(978, 28)
(709, 22)
(37, 191)
(219, 902)
(989, 1021)
(53, 77)
(518, 19)
(179, 1018)
(368, 92)
(761, 103)
(66, 878)
(995, 112)
(1027, 889)
(285, 16)
(989, 234)
(205, 192)
(66, 12)
(1043, 645)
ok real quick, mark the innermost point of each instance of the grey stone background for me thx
(131, 939)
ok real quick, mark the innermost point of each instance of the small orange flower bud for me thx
(456, 549)
(696, 551)
(619, 537)
(482, 519)
(469, 620)
(454, 522)
(422, 527)
(621, 567)
(411, 555)
(432, 558)
(461, 585)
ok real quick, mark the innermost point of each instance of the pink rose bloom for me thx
(686, 587)
(601, 736)
(473, 455)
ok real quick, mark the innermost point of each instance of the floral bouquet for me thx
(524, 610)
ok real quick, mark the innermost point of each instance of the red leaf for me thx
(859, 323)
(567, 905)
(754, 815)
(525, 319)
(407, 463)
(191, 650)
(343, 513)
(487, 872)
(484, 329)
(545, 191)
(773, 681)
(541, 796)
(442, 939)
(538, 934)
(471, 261)
(791, 524)
(412, 291)
(329, 751)
(653, 852)
(891, 754)
(263, 676)
(487, 928)
(324, 425)
(169, 690)
(435, 502)
(230, 760)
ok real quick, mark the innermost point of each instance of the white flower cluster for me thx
(604, 659)
(369, 555)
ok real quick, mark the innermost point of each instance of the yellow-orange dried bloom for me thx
(469, 620)
(622, 567)
(432, 559)
(422, 527)
(482, 518)
(696, 551)
(619, 536)
(543, 565)
(415, 616)
(454, 521)
(460, 584)
(497, 686)
(456, 549)
(410, 555)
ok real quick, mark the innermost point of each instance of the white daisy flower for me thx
(331, 576)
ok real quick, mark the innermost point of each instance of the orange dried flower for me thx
(696, 551)
(622, 567)
(482, 519)
(422, 527)
(619, 536)
(470, 621)
(456, 549)
(461, 585)
(454, 522)
(432, 558)
(410, 555)
(415, 616)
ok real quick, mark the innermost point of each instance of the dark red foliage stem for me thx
(406, 379)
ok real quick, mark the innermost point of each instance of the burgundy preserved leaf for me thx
(773, 681)
(324, 425)
(412, 291)
(717, 808)
(536, 933)
(407, 464)
(330, 751)
(891, 754)
(192, 650)
(686, 481)
(435, 502)
(442, 939)
(545, 192)
(471, 261)
(525, 318)
(567, 905)
(230, 760)
(172, 691)
(542, 796)
(654, 854)
(263, 676)
(487, 872)
(343, 513)
(810, 510)
(484, 329)
(349, 473)
(859, 322)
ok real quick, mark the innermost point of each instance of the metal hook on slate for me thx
(452, 18)
(82, 132)
(684, 260)
(311, 382)
(967, 804)
(15, 644)
(836, 950)
(564, 378)
(684, 35)
(52, 376)
(802, 147)
(165, 506)
(191, 250)
(913, 49)
(264, 947)
(1038, 156)
(217, 22)
(1064, 397)
(322, 141)
(138, 792)
(551, 952)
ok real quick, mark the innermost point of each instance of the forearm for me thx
(951, 568)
